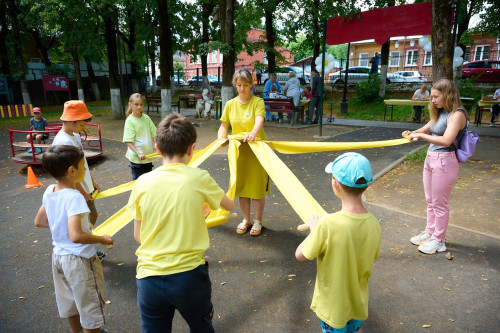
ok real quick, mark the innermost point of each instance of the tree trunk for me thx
(93, 81)
(114, 80)
(166, 57)
(19, 52)
(78, 74)
(42, 49)
(270, 40)
(442, 52)
(227, 26)
(206, 10)
(315, 37)
(383, 69)
(152, 56)
(131, 49)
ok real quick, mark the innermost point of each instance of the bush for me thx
(367, 91)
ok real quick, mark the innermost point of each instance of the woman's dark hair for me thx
(57, 159)
(174, 135)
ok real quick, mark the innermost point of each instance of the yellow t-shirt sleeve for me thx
(213, 193)
(133, 208)
(260, 109)
(312, 247)
(225, 113)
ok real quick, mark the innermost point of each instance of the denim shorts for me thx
(189, 292)
(139, 169)
(352, 326)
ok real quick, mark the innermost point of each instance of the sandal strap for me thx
(244, 224)
(257, 226)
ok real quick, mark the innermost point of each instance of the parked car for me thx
(177, 81)
(482, 71)
(357, 74)
(282, 73)
(412, 76)
(196, 80)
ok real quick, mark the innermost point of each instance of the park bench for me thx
(155, 101)
(284, 105)
(190, 100)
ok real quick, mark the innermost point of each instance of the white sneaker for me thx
(432, 246)
(421, 238)
(491, 125)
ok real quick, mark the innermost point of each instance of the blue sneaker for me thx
(29, 151)
(39, 150)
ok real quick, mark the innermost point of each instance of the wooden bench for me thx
(284, 105)
(155, 101)
(190, 99)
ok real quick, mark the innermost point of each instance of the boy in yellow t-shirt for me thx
(345, 244)
(169, 225)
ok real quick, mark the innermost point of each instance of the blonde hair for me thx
(244, 75)
(292, 74)
(451, 99)
(131, 99)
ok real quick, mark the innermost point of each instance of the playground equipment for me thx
(31, 152)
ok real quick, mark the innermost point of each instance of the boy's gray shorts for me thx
(79, 287)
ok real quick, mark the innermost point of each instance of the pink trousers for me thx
(440, 174)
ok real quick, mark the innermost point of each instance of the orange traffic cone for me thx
(32, 181)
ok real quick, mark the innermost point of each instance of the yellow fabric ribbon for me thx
(291, 188)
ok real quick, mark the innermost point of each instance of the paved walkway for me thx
(258, 286)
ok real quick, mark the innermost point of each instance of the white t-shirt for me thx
(59, 206)
(420, 96)
(63, 138)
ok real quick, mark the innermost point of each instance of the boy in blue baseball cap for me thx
(345, 244)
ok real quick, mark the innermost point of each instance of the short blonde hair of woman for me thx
(273, 76)
(243, 75)
(292, 74)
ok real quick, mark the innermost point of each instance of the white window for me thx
(394, 59)
(214, 57)
(363, 59)
(482, 52)
(428, 59)
(467, 54)
(265, 57)
(411, 58)
(198, 59)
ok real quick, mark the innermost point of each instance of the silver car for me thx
(282, 73)
(412, 76)
(357, 74)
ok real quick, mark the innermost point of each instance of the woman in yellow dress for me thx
(246, 114)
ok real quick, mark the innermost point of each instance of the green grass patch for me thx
(416, 158)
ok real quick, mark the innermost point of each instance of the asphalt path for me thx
(258, 286)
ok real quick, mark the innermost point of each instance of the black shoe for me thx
(315, 122)
(417, 121)
(414, 119)
(308, 123)
(100, 255)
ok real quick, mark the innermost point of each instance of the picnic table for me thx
(390, 103)
(481, 105)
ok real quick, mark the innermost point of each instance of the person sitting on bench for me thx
(421, 94)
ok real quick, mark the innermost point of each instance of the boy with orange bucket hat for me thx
(75, 117)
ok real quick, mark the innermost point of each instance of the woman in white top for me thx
(292, 89)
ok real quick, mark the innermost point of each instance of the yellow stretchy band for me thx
(291, 188)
